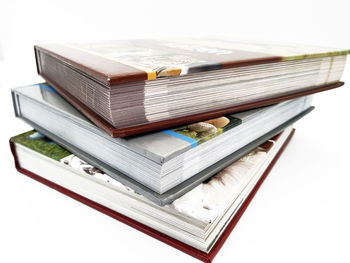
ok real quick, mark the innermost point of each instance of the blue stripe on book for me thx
(193, 142)
(47, 87)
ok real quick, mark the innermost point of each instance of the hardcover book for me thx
(131, 87)
(161, 165)
(198, 223)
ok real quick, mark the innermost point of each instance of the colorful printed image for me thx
(41, 144)
(206, 130)
(78, 164)
(157, 60)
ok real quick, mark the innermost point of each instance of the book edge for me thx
(145, 128)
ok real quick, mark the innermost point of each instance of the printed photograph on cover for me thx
(203, 131)
(208, 200)
(41, 144)
(174, 57)
(45, 146)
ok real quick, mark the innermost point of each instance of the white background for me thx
(300, 214)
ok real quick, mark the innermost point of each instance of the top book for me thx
(130, 87)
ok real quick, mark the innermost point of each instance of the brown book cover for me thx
(131, 87)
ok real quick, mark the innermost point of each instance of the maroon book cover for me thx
(205, 257)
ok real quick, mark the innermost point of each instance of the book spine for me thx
(37, 60)
(15, 103)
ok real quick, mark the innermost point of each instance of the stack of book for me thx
(172, 137)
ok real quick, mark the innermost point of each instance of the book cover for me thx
(64, 108)
(143, 79)
(46, 147)
(117, 62)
